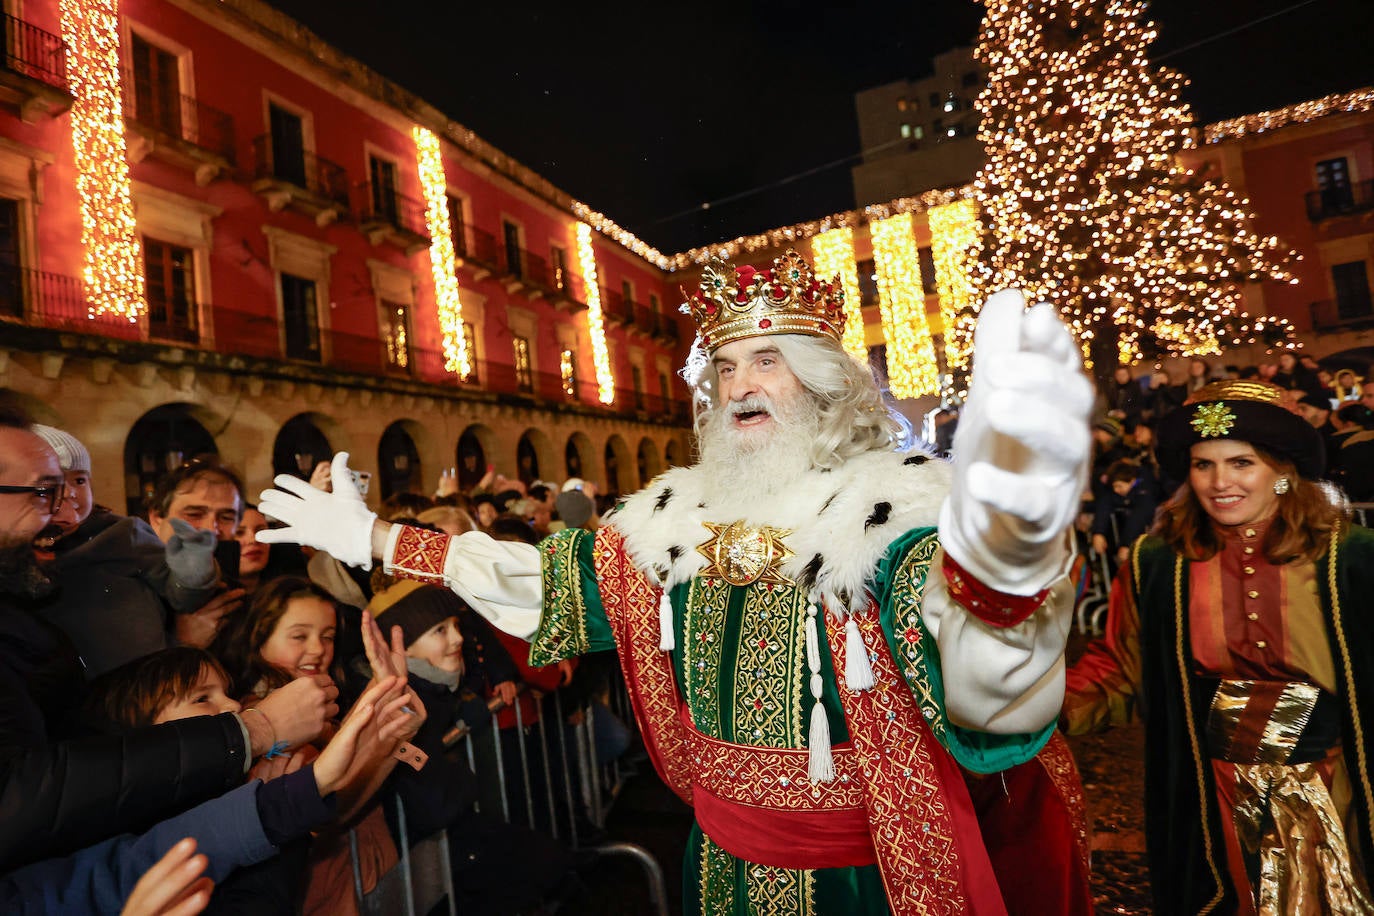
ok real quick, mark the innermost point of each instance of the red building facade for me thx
(291, 303)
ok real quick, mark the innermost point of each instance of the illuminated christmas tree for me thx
(1085, 202)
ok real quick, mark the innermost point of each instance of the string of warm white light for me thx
(911, 367)
(955, 237)
(1358, 101)
(832, 255)
(1085, 200)
(112, 269)
(601, 357)
(448, 302)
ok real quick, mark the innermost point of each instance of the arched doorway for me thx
(300, 445)
(673, 454)
(618, 469)
(526, 460)
(398, 461)
(576, 455)
(472, 456)
(648, 461)
(162, 440)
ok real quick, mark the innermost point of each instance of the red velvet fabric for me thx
(785, 839)
(997, 609)
(1033, 841)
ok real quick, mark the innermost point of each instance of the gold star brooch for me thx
(743, 554)
(1213, 420)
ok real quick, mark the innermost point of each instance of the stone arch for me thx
(619, 468)
(472, 454)
(675, 452)
(533, 455)
(301, 443)
(577, 456)
(648, 461)
(161, 440)
(398, 459)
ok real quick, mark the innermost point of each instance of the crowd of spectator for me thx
(1127, 484)
(171, 677)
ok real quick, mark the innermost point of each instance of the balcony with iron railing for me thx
(1340, 200)
(44, 300)
(178, 129)
(616, 310)
(304, 181)
(385, 215)
(33, 77)
(478, 251)
(1343, 314)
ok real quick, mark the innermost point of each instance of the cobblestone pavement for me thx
(1113, 772)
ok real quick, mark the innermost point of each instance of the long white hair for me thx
(854, 415)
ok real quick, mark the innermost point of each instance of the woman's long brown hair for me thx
(1300, 531)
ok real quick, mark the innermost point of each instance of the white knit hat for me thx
(71, 454)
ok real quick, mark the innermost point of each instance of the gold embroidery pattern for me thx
(563, 623)
(768, 667)
(419, 554)
(631, 605)
(912, 826)
(777, 891)
(717, 880)
(1338, 624)
(703, 627)
(1183, 653)
(774, 778)
(909, 583)
(1057, 760)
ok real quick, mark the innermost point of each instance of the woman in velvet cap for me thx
(1239, 630)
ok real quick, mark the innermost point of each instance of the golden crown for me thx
(738, 302)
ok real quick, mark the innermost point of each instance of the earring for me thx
(1281, 486)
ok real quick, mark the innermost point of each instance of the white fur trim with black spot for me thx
(846, 517)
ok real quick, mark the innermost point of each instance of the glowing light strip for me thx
(832, 255)
(601, 357)
(955, 237)
(448, 303)
(911, 367)
(1356, 102)
(112, 271)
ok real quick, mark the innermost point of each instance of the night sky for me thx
(645, 112)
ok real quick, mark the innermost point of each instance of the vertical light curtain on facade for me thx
(447, 301)
(832, 255)
(911, 367)
(586, 258)
(112, 272)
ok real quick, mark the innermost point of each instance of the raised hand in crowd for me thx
(199, 627)
(322, 477)
(294, 714)
(448, 483)
(174, 886)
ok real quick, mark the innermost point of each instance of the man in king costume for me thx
(847, 658)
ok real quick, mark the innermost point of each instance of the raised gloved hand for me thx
(1021, 450)
(191, 555)
(337, 522)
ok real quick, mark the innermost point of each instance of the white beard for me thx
(763, 461)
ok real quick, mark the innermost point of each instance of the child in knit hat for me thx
(497, 867)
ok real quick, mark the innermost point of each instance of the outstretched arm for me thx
(499, 579)
(998, 603)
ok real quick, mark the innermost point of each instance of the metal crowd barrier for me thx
(558, 769)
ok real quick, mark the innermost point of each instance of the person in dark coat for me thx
(58, 796)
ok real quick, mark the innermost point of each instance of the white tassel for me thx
(820, 765)
(858, 673)
(665, 622)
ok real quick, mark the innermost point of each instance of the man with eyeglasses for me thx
(58, 796)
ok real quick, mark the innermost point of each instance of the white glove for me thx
(337, 522)
(1021, 450)
(191, 555)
